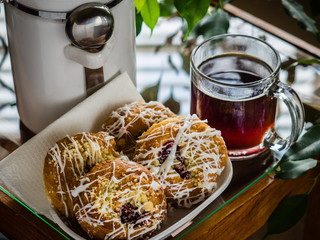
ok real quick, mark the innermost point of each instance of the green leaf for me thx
(150, 13)
(306, 147)
(296, 11)
(294, 169)
(139, 22)
(139, 4)
(167, 8)
(192, 11)
(172, 104)
(308, 61)
(287, 214)
(212, 24)
(304, 62)
(151, 93)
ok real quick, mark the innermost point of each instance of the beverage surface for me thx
(242, 123)
(235, 69)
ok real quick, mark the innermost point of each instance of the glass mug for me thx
(235, 86)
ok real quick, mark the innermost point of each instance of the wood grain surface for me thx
(17, 222)
(249, 212)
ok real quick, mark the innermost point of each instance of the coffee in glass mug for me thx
(235, 87)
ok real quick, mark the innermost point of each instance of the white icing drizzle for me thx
(155, 186)
(101, 194)
(151, 112)
(69, 159)
(199, 151)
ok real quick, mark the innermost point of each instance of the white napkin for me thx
(21, 171)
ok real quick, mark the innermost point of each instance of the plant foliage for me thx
(215, 23)
(191, 10)
(307, 146)
(296, 11)
(287, 214)
(304, 62)
(150, 12)
(295, 162)
(299, 158)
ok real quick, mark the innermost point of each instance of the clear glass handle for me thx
(286, 94)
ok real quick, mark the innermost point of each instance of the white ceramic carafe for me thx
(49, 73)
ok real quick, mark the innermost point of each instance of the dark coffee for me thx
(242, 123)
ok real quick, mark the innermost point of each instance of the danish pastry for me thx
(119, 199)
(69, 159)
(186, 155)
(127, 123)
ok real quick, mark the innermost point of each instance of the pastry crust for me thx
(69, 159)
(186, 155)
(127, 123)
(119, 199)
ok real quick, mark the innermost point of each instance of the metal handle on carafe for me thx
(89, 27)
